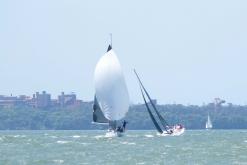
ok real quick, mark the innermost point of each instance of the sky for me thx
(186, 52)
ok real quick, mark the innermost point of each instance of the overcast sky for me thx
(186, 52)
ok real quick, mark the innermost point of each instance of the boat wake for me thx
(111, 134)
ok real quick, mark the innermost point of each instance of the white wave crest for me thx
(149, 136)
(58, 161)
(62, 142)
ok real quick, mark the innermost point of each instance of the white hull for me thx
(209, 126)
(176, 132)
(111, 134)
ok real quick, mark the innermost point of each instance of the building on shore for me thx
(11, 101)
(67, 99)
(42, 100)
(39, 100)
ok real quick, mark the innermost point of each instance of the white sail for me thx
(209, 124)
(111, 90)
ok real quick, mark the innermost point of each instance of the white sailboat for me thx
(163, 128)
(209, 124)
(111, 102)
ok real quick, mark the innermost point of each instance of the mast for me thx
(110, 45)
(113, 123)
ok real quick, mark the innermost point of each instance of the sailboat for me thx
(165, 129)
(111, 100)
(209, 124)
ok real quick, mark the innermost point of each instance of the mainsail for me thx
(162, 120)
(111, 91)
(209, 124)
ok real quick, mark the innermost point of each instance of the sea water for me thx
(136, 147)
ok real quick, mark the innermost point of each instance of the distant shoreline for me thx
(131, 130)
(80, 117)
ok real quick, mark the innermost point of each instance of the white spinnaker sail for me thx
(111, 90)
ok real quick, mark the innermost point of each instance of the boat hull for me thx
(176, 132)
(111, 134)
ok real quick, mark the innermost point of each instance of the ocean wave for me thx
(54, 137)
(132, 135)
(99, 136)
(58, 161)
(149, 136)
(85, 144)
(128, 143)
(21, 136)
(63, 142)
(76, 136)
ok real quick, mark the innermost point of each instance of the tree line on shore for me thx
(80, 117)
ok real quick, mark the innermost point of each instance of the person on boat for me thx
(122, 128)
(170, 131)
(119, 129)
(179, 126)
(124, 124)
